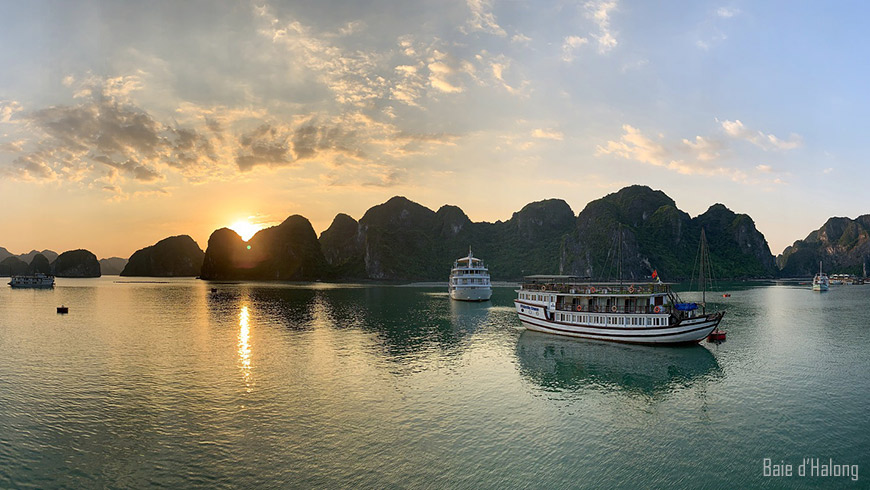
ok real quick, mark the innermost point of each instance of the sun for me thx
(245, 229)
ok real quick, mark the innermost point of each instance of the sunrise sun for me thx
(245, 229)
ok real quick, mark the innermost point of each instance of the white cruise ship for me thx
(648, 313)
(469, 280)
(37, 280)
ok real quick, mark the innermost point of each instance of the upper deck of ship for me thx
(468, 263)
(584, 286)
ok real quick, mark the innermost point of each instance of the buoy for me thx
(63, 309)
(716, 336)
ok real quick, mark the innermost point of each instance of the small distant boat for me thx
(37, 280)
(820, 282)
(726, 295)
(469, 280)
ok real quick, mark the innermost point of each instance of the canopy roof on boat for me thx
(564, 279)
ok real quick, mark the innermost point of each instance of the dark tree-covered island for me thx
(401, 240)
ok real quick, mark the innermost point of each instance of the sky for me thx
(122, 122)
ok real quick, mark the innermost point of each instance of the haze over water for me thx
(165, 383)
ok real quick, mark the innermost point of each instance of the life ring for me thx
(579, 308)
(543, 288)
(631, 288)
(592, 290)
(614, 308)
(657, 309)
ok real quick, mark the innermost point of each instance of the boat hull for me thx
(687, 331)
(471, 294)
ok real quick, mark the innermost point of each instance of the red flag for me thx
(655, 274)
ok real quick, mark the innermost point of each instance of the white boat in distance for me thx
(37, 280)
(637, 313)
(820, 282)
(469, 280)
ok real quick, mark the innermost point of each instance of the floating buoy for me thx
(716, 336)
(63, 309)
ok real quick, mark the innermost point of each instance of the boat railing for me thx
(641, 309)
(476, 265)
(598, 289)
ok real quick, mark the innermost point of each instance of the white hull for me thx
(689, 330)
(36, 281)
(471, 294)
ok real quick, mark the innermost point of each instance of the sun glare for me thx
(245, 229)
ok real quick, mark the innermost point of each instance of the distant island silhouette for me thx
(400, 240)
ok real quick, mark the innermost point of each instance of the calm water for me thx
(298, 386)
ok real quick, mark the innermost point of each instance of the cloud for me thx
(569, 45)
(410, 72)
(500, 67)
(737, 130)
(691, 158)
(599, 12)
(265, 145)
(73, 142)
(142, 173)
(482, 19)
(520, 38)
(727, 12)
(548, 134)
(352, 75)
(441, 74)
(704, 149)
(7, 109)
(634, 65)
(31, 167)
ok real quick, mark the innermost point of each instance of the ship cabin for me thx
(572, 299)
(468, 263)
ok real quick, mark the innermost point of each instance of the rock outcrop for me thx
(112, 266)
(632, 232)
(177, 256)
(287, 252)
(13, 266)
(841, 244)
(40, 264)
(76, 263)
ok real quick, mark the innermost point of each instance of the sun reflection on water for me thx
(245, 347)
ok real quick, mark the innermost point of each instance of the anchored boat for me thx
(37, 280)
(820, 282)
(469, 279)
(648, 313)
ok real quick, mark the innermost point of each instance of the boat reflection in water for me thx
(467, 316)
(558, 364)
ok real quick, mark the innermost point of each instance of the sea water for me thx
(164, 382)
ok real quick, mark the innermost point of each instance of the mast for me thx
(702, 269)
(619, 237)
